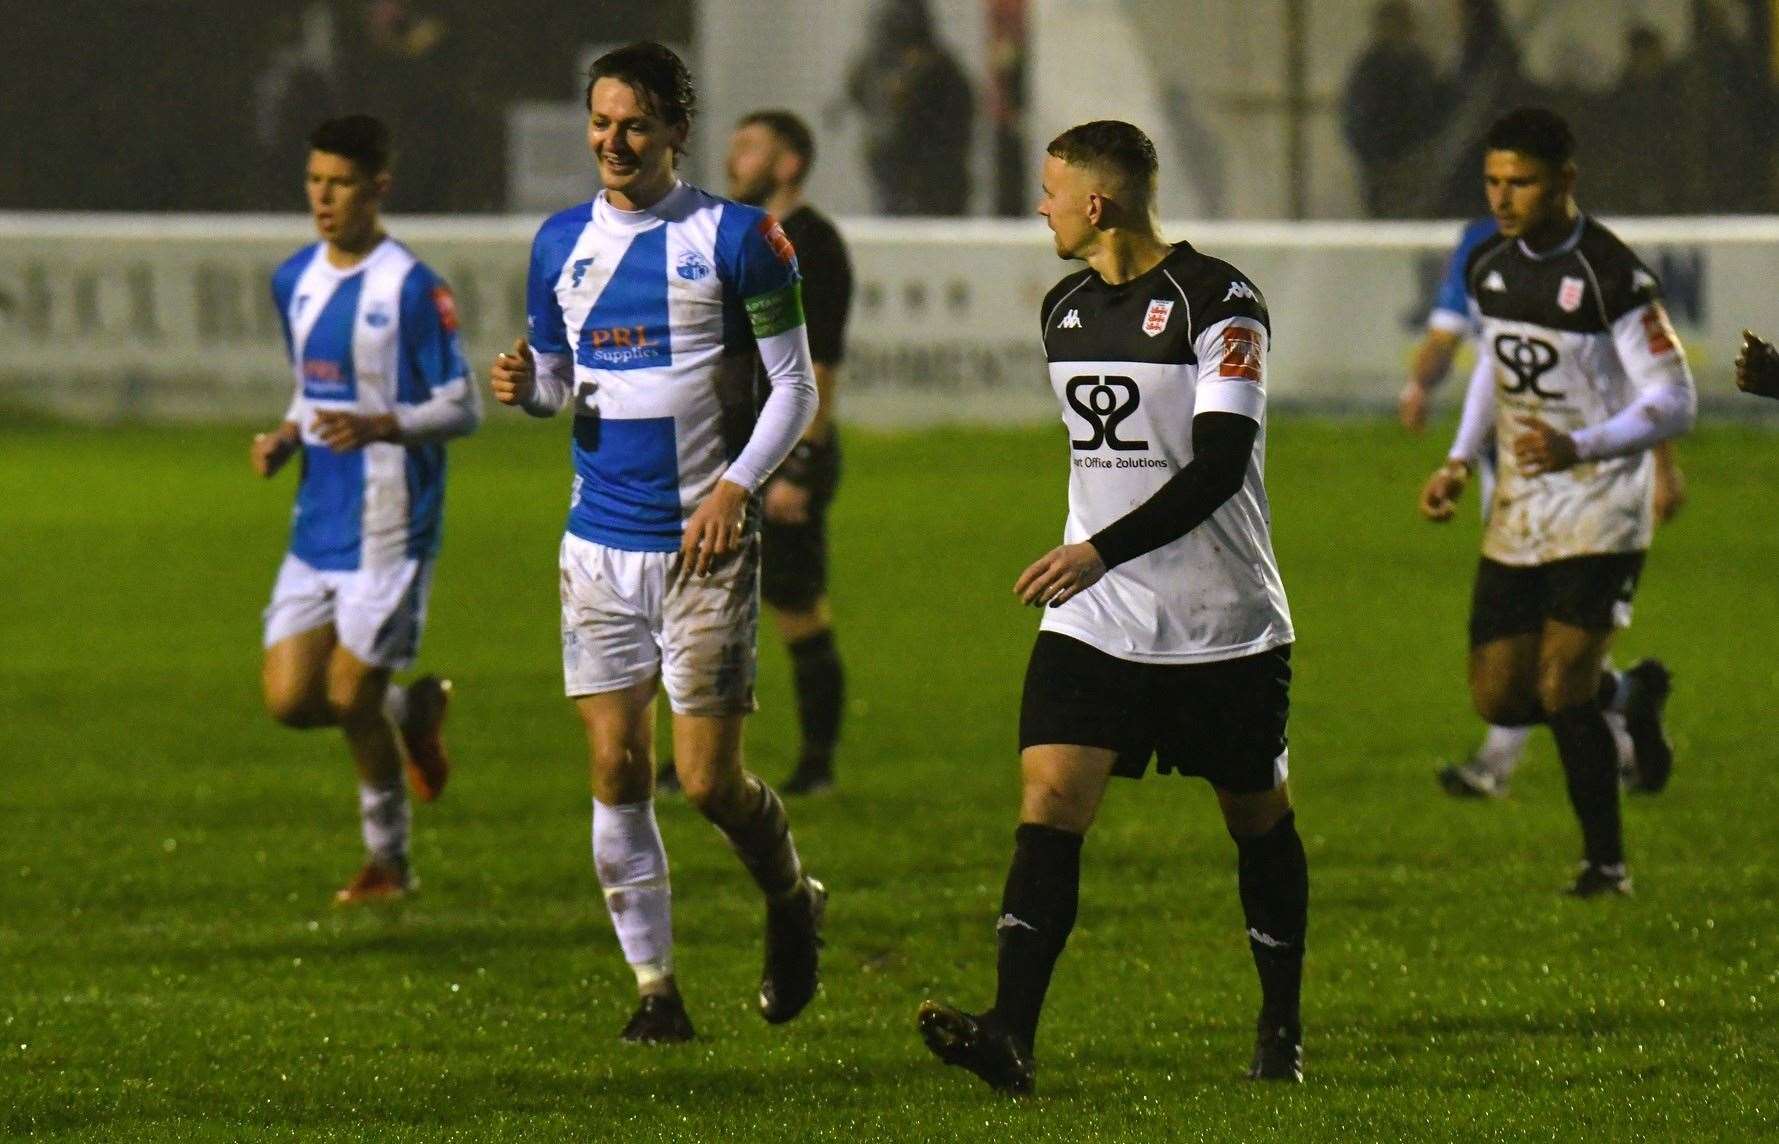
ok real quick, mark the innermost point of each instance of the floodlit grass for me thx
(170, 967)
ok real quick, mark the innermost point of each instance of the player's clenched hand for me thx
(1411, 406)
(514, 375)
(1060, 575)
(271, 450)
(1541, 449)
(1439, 496)
(343, 432)
(714, 530)
(1757, 367)
(785, 502)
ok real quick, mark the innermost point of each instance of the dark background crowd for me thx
(1688, 131)
(204, 105)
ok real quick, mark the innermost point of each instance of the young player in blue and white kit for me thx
(381, 384)
(1451, 322)
(649, 308)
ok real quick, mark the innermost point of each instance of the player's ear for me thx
(1096, 207)
(1566, 177)
(381, 183)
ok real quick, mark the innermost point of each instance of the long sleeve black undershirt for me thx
(1221, 446)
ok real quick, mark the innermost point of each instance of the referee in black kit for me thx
(770, 156)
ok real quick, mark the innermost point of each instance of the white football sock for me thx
(1501, 749)
(631, 863)
(395, 704)
(1621, 736)
(384, 816)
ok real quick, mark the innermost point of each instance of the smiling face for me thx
(1066, 202)
(632, 144)
(1526, 195)
(343, 199)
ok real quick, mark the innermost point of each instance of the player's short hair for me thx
(1111, 146)
(364, 139)
(1535, 131)
(790, 130)
(658, 77)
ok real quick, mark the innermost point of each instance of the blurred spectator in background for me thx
(1394, 101)
(1727, 90)
(1490, 79)
(401, 67)
(294, 91)
(1635, 170)
(918, 113)
(1006, 104)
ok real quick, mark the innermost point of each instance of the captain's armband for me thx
(776, 311)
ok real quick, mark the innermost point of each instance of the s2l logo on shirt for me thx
(1104, 403)
(1528, 359)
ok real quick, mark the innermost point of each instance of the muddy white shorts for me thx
(376, 613)
(624, 621)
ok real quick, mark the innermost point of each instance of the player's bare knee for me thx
(713, 793)
(1251, 814)
(1561, 686)
(1049, 803)
(295, 709)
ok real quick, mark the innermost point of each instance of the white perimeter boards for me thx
(171, 316)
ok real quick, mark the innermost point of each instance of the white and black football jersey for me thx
(1575, 334)
(1131, 365)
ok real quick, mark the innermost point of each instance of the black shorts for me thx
(1589, 592)
(794, 559)
(1222, 721)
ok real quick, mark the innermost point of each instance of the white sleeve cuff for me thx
(453, 410)
(1659, 414)
(1478, 420)
(788, 410)
(554, 382)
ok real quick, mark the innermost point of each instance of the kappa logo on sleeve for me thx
(1239, 289)
(1657, 331)
(777, 239)
(1240, 354)
(447, 307)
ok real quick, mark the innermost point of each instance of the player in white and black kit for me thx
(1588, 378)
(1166, 632)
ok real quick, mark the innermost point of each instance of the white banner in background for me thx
(171, 316)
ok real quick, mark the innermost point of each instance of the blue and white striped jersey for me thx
(380, 337)
(1451, 303)
(650, 321)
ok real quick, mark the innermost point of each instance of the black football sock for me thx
(1590, 764)
(1274, 879)
(761, 837)
(821, 694)
(1037, 913)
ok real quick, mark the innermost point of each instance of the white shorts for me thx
(377, 613)
(623, 623)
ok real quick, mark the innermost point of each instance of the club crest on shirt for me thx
(1155, 320)
(691, 266)
(1569, 295)
(376, 319)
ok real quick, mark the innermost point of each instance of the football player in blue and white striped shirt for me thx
(381, 384)
(649, 308)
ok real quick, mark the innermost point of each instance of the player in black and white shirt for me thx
(1165, 631)
(1588, 377)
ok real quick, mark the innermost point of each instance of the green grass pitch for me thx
(170, 967)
